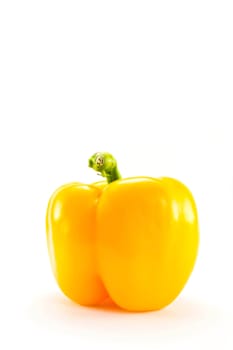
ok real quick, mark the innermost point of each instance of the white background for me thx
(151, 82)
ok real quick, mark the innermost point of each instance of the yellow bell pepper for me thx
(133, 240)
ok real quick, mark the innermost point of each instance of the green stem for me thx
(106, 165)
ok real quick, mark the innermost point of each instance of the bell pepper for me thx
(132, 240)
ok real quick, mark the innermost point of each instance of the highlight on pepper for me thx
(132, 240)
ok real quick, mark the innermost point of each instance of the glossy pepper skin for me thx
(134, 240)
